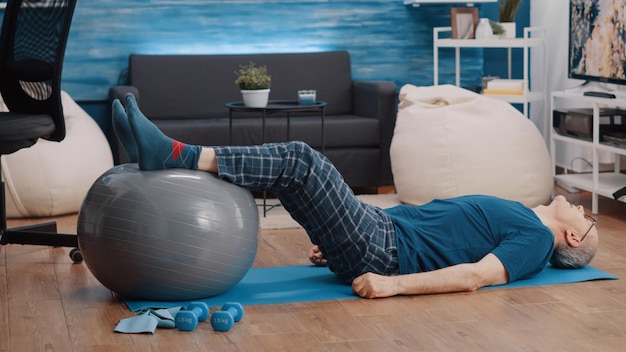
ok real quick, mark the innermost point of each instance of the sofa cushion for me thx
(343, 131)
(190, 93)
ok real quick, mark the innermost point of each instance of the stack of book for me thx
(505, 87)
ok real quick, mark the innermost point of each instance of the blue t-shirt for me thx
(446, 232)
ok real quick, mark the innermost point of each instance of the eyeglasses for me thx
(593, 223)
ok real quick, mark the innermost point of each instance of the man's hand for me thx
(370, 285)
(316, 257)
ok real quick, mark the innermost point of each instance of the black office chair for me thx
(32, 47)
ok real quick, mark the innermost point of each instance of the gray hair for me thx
(566, 257)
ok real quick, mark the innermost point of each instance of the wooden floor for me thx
(49, 304)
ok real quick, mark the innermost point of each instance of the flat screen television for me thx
(597, 41)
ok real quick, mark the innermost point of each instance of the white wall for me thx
(553, 15)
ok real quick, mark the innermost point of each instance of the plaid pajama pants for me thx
(353, 236)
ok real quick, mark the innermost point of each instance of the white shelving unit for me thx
(598, 183)
(534, 37)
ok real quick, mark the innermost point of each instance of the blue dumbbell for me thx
(187, 320)
(223, 320)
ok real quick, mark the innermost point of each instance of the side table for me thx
(285, 107)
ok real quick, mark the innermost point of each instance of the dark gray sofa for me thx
(185, 96)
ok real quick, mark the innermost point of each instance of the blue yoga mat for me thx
(290, 284)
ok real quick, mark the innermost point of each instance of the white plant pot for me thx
(257, 98)
(509, 30)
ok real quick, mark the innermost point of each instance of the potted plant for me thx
(508, 10)
(496, 27)
(254, 82)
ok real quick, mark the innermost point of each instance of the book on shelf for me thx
(504, 87)
(489, 91)
(505, 84)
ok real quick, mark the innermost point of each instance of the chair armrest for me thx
(375, 99)
(378, 100)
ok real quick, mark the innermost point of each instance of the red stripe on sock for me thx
(177, 148)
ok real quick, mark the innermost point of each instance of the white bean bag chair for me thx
(52, 178)
(450, 142)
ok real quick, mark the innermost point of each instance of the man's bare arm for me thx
(462, 277)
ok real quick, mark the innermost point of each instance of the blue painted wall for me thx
(386, 39)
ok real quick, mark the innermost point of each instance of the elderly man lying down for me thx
(447, 245)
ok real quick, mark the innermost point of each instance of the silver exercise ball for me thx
(167, 235)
